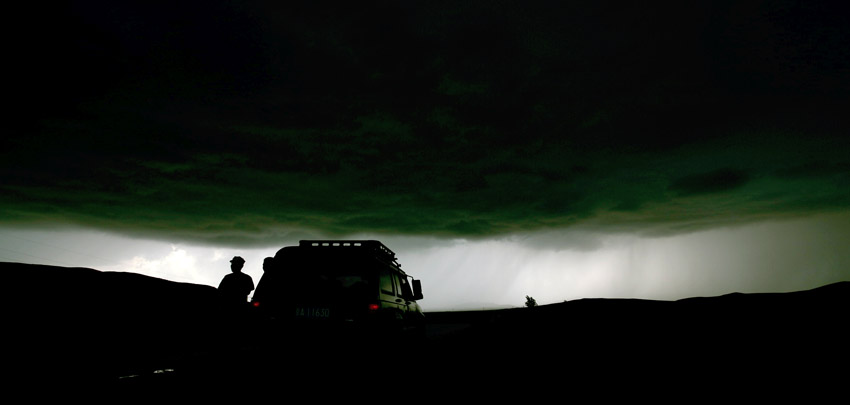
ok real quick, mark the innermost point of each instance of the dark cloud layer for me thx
(237, 122)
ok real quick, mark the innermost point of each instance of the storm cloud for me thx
(248, 123)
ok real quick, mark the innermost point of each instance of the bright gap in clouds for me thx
(782, 256)
(194, 264)
(179, 262)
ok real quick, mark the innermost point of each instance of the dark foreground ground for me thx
(142, 336)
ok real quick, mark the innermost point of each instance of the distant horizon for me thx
(469, 307)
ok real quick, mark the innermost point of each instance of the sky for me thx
(501, 148)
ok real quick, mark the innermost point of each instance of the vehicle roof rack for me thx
(374, 246)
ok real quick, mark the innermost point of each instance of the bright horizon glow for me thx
(776, 256)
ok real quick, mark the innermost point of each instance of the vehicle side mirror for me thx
(417, 290)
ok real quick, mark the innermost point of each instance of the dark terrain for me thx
(136, 332)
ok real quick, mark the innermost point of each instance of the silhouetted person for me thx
(264, 296)
(236, 286)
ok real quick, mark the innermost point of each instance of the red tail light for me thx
(256, 304)
(374, 307)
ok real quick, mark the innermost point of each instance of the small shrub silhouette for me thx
(530, 302)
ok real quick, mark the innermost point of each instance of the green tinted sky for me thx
(250, 123)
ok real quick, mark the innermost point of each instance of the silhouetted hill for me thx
(88, 323)
(83, 322)
(768, 333)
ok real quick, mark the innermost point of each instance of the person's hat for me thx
(237, 259)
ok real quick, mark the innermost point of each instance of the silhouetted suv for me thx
(340, 285)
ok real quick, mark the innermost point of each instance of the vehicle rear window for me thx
(386, 282)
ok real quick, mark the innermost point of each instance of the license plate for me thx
(312, 313)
